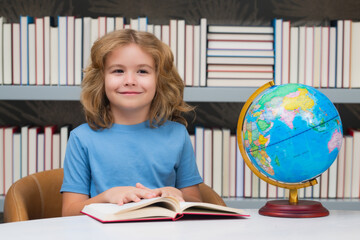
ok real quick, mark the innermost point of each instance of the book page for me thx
(198, 207)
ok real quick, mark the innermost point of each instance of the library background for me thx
(38, 96)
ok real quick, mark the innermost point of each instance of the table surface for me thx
(338, 225)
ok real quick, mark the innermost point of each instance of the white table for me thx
(339, 225)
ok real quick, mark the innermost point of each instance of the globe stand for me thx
(294, 208)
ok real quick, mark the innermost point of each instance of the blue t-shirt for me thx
(97, 160)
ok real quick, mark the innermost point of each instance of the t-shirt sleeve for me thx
(187, 172)
(76, 167)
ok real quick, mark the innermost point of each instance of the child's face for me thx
(130, 82)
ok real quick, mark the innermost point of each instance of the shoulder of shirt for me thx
(173, 124)
(82, 129)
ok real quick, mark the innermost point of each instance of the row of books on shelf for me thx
(29, 149)
(38, 51)
(319, 56)
(222, 167)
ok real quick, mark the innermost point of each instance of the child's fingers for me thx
(139, 185)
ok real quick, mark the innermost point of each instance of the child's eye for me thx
(142, 71)
(118, 71)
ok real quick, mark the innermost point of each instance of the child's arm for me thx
(73, 203)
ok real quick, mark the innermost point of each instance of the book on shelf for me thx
(332, 179)
(31, 61)
(208, 158)
(56, 151)
(64, 135)
(294, 54)
(78, 52)
(86, 42)
(278, 25)
(110, 24)
(203, 47)
(324, 186)
(309, 55)
(346, 54)
(301, 53)
(245, 45)
(62, 49)
(7, 54)
(196, 55)
(226, 134)
(285, 52)
(161, 208)
(239, 68)
(165, 34)
(217, 160)
(24, 48)
(39, 54)
(173, 38)
(16, 156)
(348, 165)
(199, 149)
(189, 55)
(239, 53)
(355, 175)
(240, 36)
(54, 56)
(70, 43)
(101, 26)
(355, 55)
(332, 58)
(235, 169)
(240, 29)
(324, 57)
(226, 82)
(2, 175)
(48, 23)
(317, 56)
(339, 52)
(40, 161)
(241, 60)
(49, 132)
(241, 75)
(24, 130)
(8, 155)
(2, 20)
(17, 74)
(340, 171)
(181, 48)
(32, 149)
(119, 23)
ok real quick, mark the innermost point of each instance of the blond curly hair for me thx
(168, 103)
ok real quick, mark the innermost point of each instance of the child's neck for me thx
(130, 119)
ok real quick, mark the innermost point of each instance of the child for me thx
(135, 144)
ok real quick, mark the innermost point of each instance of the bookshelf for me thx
(192, 94)
(226, 12)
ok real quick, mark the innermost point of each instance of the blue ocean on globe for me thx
(292, 133)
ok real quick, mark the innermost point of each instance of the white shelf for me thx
(192, 94)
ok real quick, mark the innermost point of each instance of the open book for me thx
(160, 208)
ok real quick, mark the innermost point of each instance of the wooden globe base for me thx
(301, 209)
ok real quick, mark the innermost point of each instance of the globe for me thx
(289, 134)
(292, 133)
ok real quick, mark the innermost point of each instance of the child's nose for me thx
(130, 79)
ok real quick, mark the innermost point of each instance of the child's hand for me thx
(122, 195)
(165, 192)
